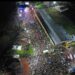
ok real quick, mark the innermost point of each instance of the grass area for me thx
(25, 52)
(61, 20)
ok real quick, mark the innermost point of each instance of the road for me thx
(32, 33)
(56, 32)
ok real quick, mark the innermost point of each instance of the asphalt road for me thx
(32, 33)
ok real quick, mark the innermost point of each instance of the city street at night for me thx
(37, 38)
(33, 34)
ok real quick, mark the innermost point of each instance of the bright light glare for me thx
(27, 31)
(45, 51)
(26, 9)
(54, 2)
(19, 47)
(20, 15)
(16, 56)
(21, 11)
(16, 47)
(27, 3)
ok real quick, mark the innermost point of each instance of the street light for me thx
(27, 31)
(45, 51)
(20, 15)
(17, 47)
(26, 9)
(54, 2)
(26, 3)
(16, 56)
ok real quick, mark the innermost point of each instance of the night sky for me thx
(6, 9)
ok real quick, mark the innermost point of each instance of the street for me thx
(36, 43)
(32, 33)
